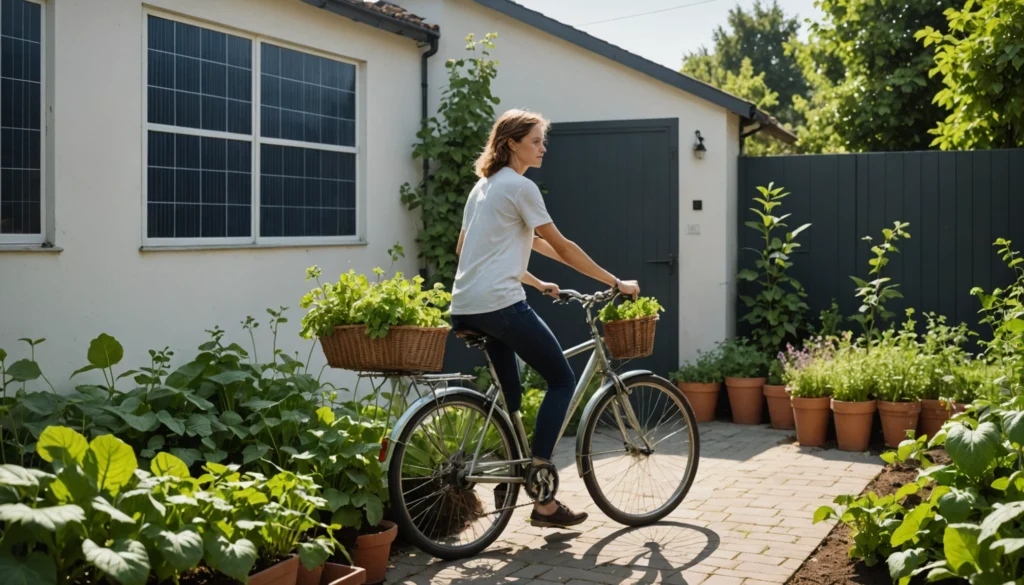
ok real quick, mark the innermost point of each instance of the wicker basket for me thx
(630, 338)
(403, 349)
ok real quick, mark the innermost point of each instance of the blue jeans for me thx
(517, 329)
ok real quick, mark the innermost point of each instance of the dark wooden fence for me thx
(957, 204)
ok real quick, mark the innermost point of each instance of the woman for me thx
(504, 215)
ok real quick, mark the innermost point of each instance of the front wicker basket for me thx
(403, 349)
(630, 338)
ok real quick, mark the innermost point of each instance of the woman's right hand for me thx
(629, 287)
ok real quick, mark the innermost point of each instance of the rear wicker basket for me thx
(403, 349)
(630, 338)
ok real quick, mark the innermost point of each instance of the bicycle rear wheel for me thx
(615, 467)
(435, 507)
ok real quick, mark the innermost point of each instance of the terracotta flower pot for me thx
(703, 398)
(779, 407)
(307, 577)
(811, 416)
(853, 424)
(933, 414)
(746, 397)
(897, 419)
(285, 572)
(335, 574)
(372, 551)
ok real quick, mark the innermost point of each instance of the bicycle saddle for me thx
(471, 337)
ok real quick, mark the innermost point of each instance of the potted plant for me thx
(700, 381)
(343, 450)
(941, 354)
(391, 324)
(806, 374)
(629, 328)
(853, 407)
(780, 410)
(744, 367)
(899, 382)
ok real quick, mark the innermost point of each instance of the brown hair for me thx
(512, 125)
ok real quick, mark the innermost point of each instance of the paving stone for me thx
(748, 520)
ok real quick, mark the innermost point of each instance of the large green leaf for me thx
(374, 509)
(912, 524)
(1001, 514)
(234, 559)
(98, 503)
(105, 351)
(182, 550)
(126, 561)
(184, 375)
(165, 464)
(110, 462)
(37, 569)
(956, 504)
(1009, 545)
(17, 476)
(960, 544)
(335, 498)
(254, 452)
(1013, 426)
(56, 442)
(315, 553)
(198, 424)
(176, 426)
(24, 370)
(972, 450)
(143, 423)
(902, 563)
(229, 377)
(51, 518)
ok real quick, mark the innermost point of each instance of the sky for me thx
(677, 28)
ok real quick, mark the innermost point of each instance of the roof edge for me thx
(707, 92)
(359, 11)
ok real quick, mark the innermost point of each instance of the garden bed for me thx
(829, 563)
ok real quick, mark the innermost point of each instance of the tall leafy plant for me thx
(777, 311)
(876, 292)
(451, 144)
(1003, 312)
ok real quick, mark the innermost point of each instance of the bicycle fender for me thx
(403, 421)
(588, 411)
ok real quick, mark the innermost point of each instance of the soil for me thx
(829, 563)
(203, 575)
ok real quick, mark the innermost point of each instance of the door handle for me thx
(671, 262)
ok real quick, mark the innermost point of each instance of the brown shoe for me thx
(562, 517)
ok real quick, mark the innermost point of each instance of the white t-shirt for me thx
(501, 214)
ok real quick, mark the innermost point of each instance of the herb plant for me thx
(705, 369)
(875, 293)
(380, 305)
(630, 309)
(777, 310)
(742, 359)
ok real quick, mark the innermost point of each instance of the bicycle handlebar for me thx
(568, 294)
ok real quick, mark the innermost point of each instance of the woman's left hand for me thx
(549, 288)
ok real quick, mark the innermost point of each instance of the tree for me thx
(707, 67)
(880, 96)
(982, 63)
(760, 36)
(452, 144)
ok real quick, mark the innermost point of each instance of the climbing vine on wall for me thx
(451, 141)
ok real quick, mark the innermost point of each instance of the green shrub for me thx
(742, 359)
(852, 375)
(705, 369)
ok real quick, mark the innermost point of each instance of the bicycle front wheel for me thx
(640, 451)
(437, 507)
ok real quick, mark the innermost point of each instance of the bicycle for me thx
(430, 460)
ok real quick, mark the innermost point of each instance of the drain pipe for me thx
(423, 119)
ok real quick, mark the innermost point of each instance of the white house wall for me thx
(101, 282)
(567, 83)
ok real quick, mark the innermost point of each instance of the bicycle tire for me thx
(589, 478)
(401, 512)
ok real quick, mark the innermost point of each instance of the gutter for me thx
(360, 13)
(423, 89)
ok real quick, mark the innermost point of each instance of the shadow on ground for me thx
(630, 553)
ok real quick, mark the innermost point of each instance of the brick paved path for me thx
(746, 521)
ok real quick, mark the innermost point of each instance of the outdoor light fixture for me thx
(698, 147)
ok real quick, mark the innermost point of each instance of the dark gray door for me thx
(612, 187)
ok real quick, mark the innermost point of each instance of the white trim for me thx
(314, 145)
(255, 240)
(44, 199)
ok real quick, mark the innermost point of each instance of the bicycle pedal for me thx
(542, 482)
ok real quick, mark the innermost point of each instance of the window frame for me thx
(255, 239)
(11, 240)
